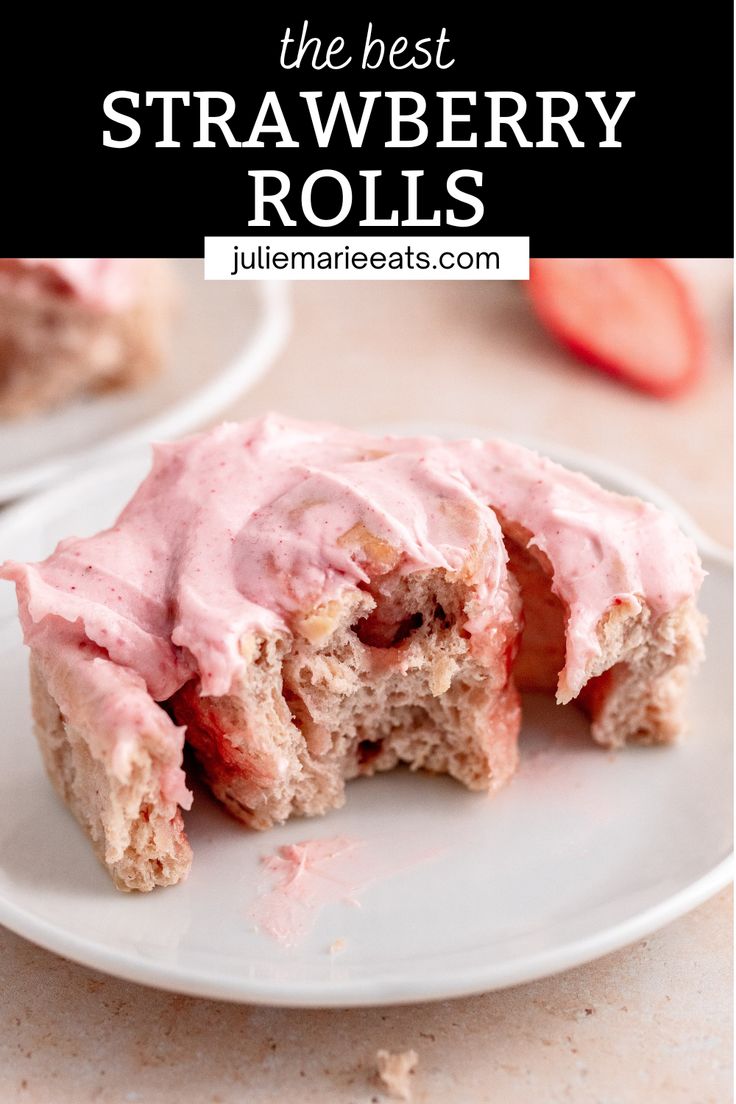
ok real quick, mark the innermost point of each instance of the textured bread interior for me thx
(135, 830)
(641, 694)
(383, 676)
(637, 684)
(53, 348)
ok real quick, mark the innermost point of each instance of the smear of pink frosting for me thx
(301, 879)
(101, 283)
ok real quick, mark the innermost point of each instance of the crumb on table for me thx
(394, 1071)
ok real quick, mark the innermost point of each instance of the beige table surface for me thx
(650, 1023)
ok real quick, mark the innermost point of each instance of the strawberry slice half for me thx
(632, 317)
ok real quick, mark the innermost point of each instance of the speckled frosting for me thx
(239, 529)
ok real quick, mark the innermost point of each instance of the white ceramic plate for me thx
(584, 852)
(225, 335)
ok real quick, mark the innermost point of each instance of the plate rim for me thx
(389, 989)
(369, 992)
(271, 330)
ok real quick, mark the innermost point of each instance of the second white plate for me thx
(225, 335)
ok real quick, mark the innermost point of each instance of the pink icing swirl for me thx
(237, 529)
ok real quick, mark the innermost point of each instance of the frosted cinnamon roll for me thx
(76, 326)
(303, 604)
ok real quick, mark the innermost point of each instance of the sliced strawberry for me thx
(630, 316)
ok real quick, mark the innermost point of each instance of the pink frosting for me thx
(605, 549)
(301, 879)
(100, 283)
(111, 703)
(238, 529)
